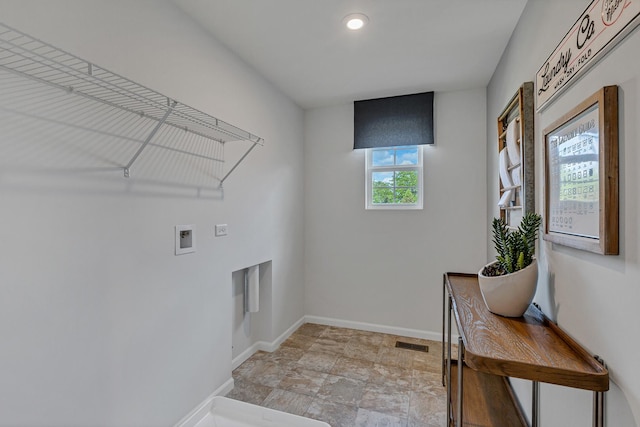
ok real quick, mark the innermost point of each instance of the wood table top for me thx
(530, 347)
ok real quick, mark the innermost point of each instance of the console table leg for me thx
(535, 404)
(444, 313)
(598, 401)
(460, 371)
(598, 409)
(449, 408)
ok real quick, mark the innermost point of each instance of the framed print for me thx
(581, 175)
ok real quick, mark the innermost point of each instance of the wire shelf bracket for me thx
(153, 132)
(133, 109)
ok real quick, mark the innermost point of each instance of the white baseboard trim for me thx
(372, 327)
(200, 411)
(265, 346)
(239, 359)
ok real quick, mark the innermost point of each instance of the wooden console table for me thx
(492, 348)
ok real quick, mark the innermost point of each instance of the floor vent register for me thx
(410, 346)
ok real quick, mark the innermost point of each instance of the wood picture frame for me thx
(581, 175)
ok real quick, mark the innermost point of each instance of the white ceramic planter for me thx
(510, 295)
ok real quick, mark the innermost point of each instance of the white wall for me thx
(100, 324)
(591, 296)
(385, 267)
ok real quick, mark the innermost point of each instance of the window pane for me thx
(406, 178)
(382, 179)
(383, 195)
(406, 195)
(382, 157)
(407, 156)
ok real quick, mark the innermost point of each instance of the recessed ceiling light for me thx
(355, 21)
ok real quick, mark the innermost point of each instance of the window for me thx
(394, 177)
(392, 131)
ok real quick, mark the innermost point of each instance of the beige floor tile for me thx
(316, 361)
(393, 376)
(389, 400)
(267, 373)
(282, 355)
(427, 382)
(246, 368)
(337, 334)
(395, 357)
(287, 401)
(366, 337)
(390, 340)
(368, 418)
(361, 350)
(301, 341)
(303, 381)
(311, 329)
(249, 392)
(435, 347)
(326, 345)
(341, 390)
(333, 413)
(426, 410)
(427, 362)
(353, 368)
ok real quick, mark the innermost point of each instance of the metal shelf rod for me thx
(238, 163)
(151, 135)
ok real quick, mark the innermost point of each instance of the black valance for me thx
(394, 121)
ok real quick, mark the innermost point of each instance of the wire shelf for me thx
(58, 87)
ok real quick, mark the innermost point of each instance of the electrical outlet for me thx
(221, 230)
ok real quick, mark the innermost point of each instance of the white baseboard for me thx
(239, 359)
(372, 327)
(265, 346)
(200, 411)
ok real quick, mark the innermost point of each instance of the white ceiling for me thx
(408, 46)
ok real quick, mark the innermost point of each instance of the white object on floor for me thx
(227, 412)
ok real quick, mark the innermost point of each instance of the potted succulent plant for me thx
(508, 284)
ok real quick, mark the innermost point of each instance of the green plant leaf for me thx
(516, 248)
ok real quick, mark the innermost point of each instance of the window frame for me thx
(370, 169)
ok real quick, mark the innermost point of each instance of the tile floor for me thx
(347, 378)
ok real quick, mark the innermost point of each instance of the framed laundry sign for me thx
(600, 27)
(581, 175)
